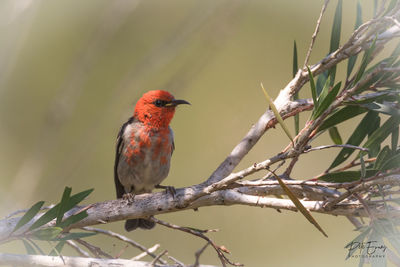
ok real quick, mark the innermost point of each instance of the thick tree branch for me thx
(56, 261)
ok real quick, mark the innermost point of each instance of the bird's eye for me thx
(159, 103)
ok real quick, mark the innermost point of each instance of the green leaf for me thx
(74, 236)
(296, 95)
(295, 59)
(276, 113)
(48, 234)
(63, 204)
(391, 163)
(365, 61)
(352, 245)
(335, 135)
(391, 5)
(299, 205)
(74, 219)
(375, 148)
(342, 115)
(36, 247)
(313, 89)
(382, 108)
(335, 37)
(77, 198)
(29, 215)
(321, 81)
(345, 176)
(45, 218)
(395, 138)
(382, 157)
(363, 168)
(56, 251)
(352, 60)
(29, 249)
(378, 136)
(327, 100)
(356, 138)
(52, 213)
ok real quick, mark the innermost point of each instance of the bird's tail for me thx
(132, 224)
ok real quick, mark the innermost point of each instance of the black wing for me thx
(120, 144)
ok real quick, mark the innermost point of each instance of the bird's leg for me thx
(168, 189)
(129, 197)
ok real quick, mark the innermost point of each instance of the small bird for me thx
(144, 148)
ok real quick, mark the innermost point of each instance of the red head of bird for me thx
(156, 108)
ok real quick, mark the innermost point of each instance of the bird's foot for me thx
(168, 189)
(128, 197)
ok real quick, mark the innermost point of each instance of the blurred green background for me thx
(71, 72)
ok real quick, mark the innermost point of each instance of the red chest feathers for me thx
(143, 145)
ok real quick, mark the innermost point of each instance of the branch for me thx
(146, 205)
(56, 261)
(359, 41)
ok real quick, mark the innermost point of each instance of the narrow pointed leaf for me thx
(30, 250)
(77, 198)
(48, 234)
(36, 247)
(378, 136)
(327, 100)
(300, 206)
(365, 61)
(391, 5)
(321, 81)
(335, 37)
(73, 219)
(276, 113)
(363, 168)
(382, 108)
(63, 204)
(56, 251)
(52, 213)
(296, 95)
(295, 59)
(342, 115)
(45, 218)
(73, 236)
(395, 138)
(391, 163)
(335, 135)
(29, 215)
(382, 157)
(352, 60)
(313, 89)
(325, 90)
(356, 138)
(345, 176)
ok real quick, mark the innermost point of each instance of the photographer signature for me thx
(370, 247)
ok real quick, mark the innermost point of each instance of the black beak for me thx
(176, 102)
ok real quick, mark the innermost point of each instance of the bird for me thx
(144, 147)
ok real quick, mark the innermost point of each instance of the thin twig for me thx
(144, 254)
(154, 261)
(330, 146)
(96, 251)
(220, 250)
(180, 264)
(123, 238)
(314, 36)
(80, 251)
(25, 210)
(198, 254)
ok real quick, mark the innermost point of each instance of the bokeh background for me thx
(71, 72)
